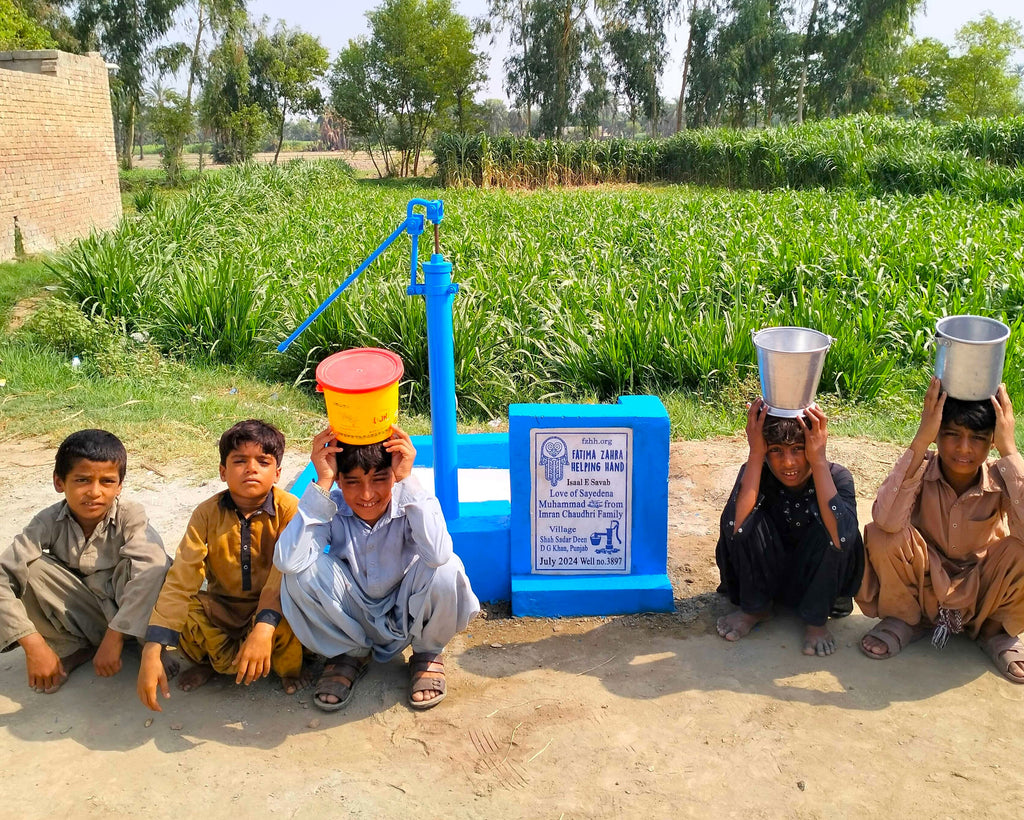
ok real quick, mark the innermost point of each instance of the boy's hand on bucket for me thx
(1005, 440)
(403, 454)
(757, 412)
(931, 413)
(325, 459)
(815, 424)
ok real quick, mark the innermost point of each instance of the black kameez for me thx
(783, 553)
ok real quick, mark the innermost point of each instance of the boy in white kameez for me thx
(371, 570)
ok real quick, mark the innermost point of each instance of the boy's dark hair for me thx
(979, 416)
(252, 431)
(369, 457)
(779, 430)
(90, 445)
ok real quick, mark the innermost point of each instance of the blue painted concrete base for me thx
(480, 536)
(552, 596)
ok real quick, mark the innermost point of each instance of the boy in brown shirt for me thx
(945, 547)
(85, 573)
(235, 626)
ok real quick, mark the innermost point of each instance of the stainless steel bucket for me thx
(790, 360)
(969, 355)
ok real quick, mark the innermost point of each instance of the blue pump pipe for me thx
(439, 292)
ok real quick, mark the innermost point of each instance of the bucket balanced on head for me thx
(969, 355)
(360, 388)
(790, 361)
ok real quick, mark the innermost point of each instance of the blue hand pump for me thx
(439, 292)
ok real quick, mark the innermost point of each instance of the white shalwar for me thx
(349, 588)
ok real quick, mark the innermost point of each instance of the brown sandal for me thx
(332, 681)
(422, 679)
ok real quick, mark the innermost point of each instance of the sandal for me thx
(1004, 649)
(422, 679)
(896, 634)
(332, 681)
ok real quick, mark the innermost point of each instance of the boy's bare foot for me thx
(171, 665)
(291, 685)
(738, 624)
(70, 664)
(195, 676)
(818, 641)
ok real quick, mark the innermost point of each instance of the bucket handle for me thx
(942, 340)
(831, 339)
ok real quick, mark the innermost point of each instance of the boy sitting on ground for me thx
(789, 532)
(234, 626)
(85, 573)
(945, 546)
(370, 569)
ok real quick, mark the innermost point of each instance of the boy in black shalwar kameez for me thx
(789, 532)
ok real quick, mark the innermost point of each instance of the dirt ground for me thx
(360, 161)
(634, 716)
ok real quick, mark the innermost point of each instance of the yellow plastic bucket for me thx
(360, 388)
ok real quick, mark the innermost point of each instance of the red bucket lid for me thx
(361, 370)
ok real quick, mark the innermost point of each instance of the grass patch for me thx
(19, 280)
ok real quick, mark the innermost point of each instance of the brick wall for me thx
(58, 165)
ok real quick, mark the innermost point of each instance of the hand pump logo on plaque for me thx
(581, 500)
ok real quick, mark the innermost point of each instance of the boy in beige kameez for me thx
(85, 573)
(945, 548)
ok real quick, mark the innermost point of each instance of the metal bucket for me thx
(969, 355)
(790, 360)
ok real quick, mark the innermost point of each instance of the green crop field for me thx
(566, 293)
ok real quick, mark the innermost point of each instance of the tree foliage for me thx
(393, 85)
(286, 67)
(19, 31)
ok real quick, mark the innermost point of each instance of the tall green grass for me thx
(875, 154)
(565, 294)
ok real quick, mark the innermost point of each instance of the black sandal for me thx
(422, 679)
(332, 681)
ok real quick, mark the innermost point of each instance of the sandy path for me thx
(621, 717)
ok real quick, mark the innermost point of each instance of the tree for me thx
(634, 31)
(19, 31)
(48, 16)
(126, 31)
(286, 66)
(226, 105)
(521, 67)
(393, 85)
(921, 86)
(981, 82)
(170, 118)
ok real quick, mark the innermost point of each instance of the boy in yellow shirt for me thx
(235, 626)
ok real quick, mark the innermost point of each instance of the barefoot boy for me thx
(945, 545)
(234, 627)
(85, 573)
(789, 532)
(371, 569)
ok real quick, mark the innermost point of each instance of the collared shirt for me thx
(124, 533)
(235, 556)
(958, 527)
(378, 556)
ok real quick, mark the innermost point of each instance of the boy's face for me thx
(788, 463)
(962, 451)
(90, 488)
(368, 494)
(250, 474)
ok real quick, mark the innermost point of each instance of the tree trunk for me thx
(812, 19)
(280, 132)
(194, 65)
(681, 104)
(129, 129)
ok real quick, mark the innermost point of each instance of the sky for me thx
(336, 23)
